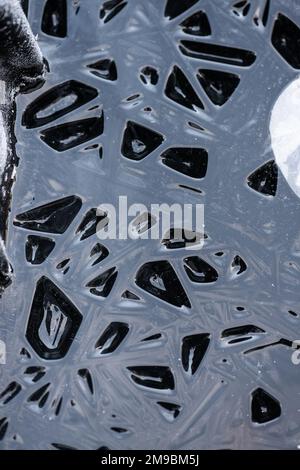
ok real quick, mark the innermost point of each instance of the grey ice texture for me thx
(215, 401)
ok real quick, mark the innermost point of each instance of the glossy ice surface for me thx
(144, 344)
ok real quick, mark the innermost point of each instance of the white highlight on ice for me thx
(285, 134)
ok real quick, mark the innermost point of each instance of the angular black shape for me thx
(241, 8)
(218, 85)
(111, 338)
(193, 349)
(264, 179)
(37, 373)
(241, 333)
(37, 249)
(264, 407)
(286, 40)
(103, 284)
(157, 377)
(119, 430)
(179, 89)
(217, 53)
(87, 378)
(199, 270)
(197, 25)
(54, 21)
(170, 410)
(54, 217)
(3, 427)
(53, 321)
(63, 447)
(41, 395)
(110, 9)
(127, 294)
(152, 337)
(175, 8)
(104, 68)
(149, 75)
(190, 161)
(176, 238)
(238, 265)
(160, 279)
(139, 141)
(71, 134)
(10, 393)
(57, 102)
(99, 250)
(88, 226)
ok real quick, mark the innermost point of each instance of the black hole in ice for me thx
(58, 406)
(193, 350)
(152, 337)
(41, 395)
(281, 341)
(63, 447)
(199, 270)
(119, 430)
(242, 8)
(63, 263)
(294, 314)
(37, 249)
(193, 125)
(104, 68)
(89, 224)
(53, 321)
(176, 238)
(130, 295)
(160, 279)
(217, 53)
(149, 75)
(101, 251)
(219, 253)
(266, 12)
(10, 393)
(133, 97)
(219, 86)
(238, 265)
(175, 8)
(286, 40)
(197, 24)
(240, 309)
(103, 284)
(139, 141)
(54, 21)
(241, 331)
(179, 89)
(86, 376)
(25, 354)
(264, 407)
(3, 427)
(142, 223)
(54, 217)
(69, 135)
(56, 102)
(37, 372)
(157, 377)
(172, 409)
(187, 160)
(264, 179)
(111, 338)
(110, 9)
(190, 188)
